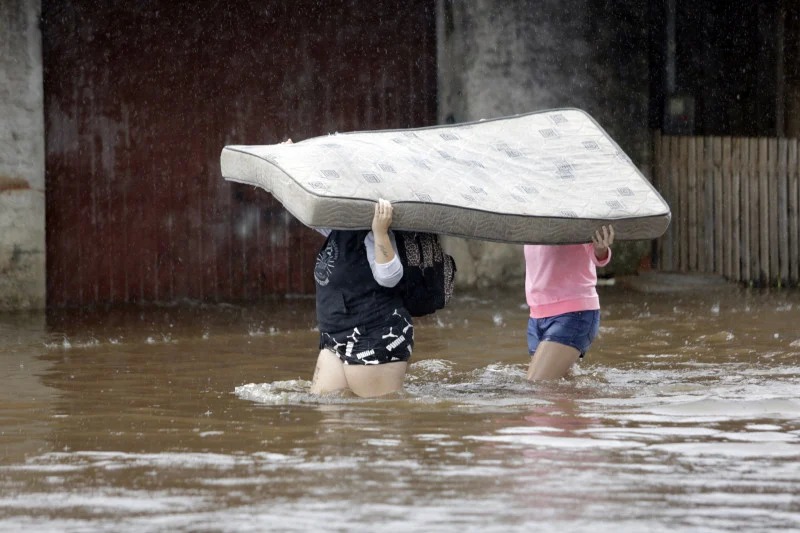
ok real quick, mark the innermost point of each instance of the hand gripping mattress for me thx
(549, 177)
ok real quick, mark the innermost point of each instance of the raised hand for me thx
(382, 218)
(602, 240)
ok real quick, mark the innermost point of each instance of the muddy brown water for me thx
(685, 416)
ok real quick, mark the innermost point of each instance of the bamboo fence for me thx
(735, 204)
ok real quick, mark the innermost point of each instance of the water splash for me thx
(293, 391)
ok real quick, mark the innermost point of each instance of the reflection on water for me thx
(684, 416)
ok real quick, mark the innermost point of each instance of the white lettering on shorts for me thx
(353, 340)
(367, 353)
(395, 343)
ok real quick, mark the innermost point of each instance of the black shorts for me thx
(389, 341)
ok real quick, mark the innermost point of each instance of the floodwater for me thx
(685, 416)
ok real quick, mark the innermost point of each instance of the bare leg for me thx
(375, 380)
(329, 374)
(552, 361)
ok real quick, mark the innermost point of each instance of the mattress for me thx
(548, 177)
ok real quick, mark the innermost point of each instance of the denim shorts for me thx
(389, 341)
(577, 329)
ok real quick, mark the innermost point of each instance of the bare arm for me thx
(382, 249)
(381, 221)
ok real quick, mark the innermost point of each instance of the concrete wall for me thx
(501, 57)
(22, 206)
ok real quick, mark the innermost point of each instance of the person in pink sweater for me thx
(560, 283)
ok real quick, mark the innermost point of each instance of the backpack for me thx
(428, 273)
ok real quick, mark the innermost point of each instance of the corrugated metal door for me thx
(140, 97)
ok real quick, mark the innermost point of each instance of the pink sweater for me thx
(561, 279)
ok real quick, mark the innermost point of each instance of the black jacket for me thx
(347, 293)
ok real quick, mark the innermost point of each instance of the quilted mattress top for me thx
(549, 177)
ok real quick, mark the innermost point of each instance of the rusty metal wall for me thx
(140, 97)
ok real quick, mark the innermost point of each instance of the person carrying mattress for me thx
(560, 288)
(366, 334)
